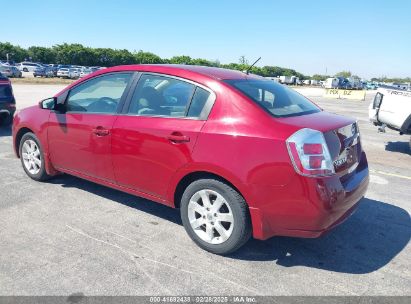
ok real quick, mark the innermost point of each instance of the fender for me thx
(39, 127)
(212, 169)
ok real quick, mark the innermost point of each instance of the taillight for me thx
(309, 153)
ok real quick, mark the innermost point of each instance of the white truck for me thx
(391, 108)
(286, 79)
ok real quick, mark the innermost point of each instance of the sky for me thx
(368, 38)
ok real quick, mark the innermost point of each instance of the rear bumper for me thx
(310, 207)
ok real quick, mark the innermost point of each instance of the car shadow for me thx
(398, 146)
(5, 131)
(138, 203)
(366, 242)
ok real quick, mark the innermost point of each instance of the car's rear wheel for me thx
(215, 216)
(32, 159)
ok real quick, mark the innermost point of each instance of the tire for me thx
(25, 70)
(204, 226)
(28, 153)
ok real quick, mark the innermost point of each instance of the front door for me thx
(80, 137)
(157, 135)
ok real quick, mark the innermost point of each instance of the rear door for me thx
(80, 138)
(157, 133)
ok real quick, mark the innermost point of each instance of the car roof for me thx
(197, 73)
(211, 72)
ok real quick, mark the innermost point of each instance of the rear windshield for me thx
(275, 98)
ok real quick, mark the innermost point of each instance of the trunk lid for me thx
(341, 134)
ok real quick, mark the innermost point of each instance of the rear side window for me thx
(198, 102)
(157, 95)
(277, 99)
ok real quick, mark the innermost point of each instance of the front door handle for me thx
(100, 131)
(177, 137)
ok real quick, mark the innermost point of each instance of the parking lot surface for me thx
(69, 236)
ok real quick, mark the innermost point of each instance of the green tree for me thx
(16, 53)
(42, 54)
(319, 77)
(180, 60)
(203, 62)
(344, 74)
(147, 57)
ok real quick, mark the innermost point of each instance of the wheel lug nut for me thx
(208, 209)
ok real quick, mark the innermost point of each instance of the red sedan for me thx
(238, 154)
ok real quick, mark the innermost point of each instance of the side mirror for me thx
(48, 104)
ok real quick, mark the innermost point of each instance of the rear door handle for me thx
(100, 131)
(177, 137)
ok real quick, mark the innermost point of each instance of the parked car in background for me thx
(6, 70)
(10, 62)
(43, 71)
(355, 83)
(73, 73)
(85, 72)
(27, 66)
(54, 68)
(344, 83)
(239, 155)
(16, 72)
(7, 101)
(63, 73)
(40, 72)
(371, 86)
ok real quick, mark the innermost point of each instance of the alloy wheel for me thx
(210, 216)
(31, 156)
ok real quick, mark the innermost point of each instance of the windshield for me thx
(277, 99)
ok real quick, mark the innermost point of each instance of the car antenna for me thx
(251, 66)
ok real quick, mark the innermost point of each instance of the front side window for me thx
(277, 99)
(99, 95)
(161, 96)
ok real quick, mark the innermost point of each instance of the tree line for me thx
(77, 54)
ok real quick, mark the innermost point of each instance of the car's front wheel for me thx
(215, 216)
(32, 159)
